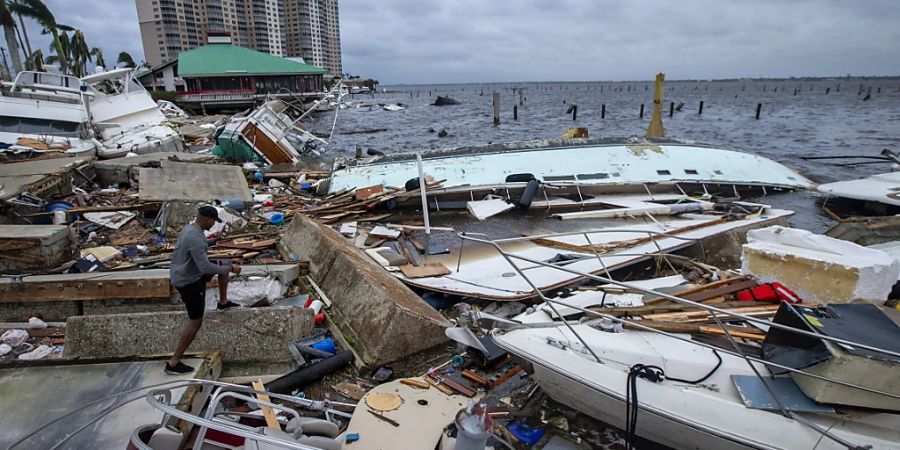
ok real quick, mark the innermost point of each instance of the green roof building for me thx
(227, 68)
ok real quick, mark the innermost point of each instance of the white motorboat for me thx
(710, 414)
(580, 167)
(128, 119)
(41, 112)
(267, 135)
(674, 390)
(479, 271)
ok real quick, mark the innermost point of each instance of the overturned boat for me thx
(267, 135)
(573, 169)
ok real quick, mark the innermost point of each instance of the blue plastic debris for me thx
(352, 437)
(526, 434)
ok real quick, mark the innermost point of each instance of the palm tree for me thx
(36, 61)
(9, 31)
(37, 10)
(98, 57)
(79, 54)
(22, 9)
(125, 58)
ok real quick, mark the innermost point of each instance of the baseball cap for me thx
(209, 211)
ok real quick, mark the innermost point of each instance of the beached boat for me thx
(45, 112)
(579, 168)
(879, 193)
(709, 414)
(267, 135)
(127, 118)
(475, 270)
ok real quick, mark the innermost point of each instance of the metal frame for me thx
(714, 312)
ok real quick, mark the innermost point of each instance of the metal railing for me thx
(160, 398)
(717, 315)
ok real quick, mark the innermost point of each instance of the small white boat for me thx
(710, 414)
(582, 167)
(479, 271)
(127, 118)
(41, 112)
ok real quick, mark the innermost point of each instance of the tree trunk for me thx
(28, 52)
(13, 46)
(60, 53)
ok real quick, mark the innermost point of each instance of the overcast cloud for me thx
(429, 41)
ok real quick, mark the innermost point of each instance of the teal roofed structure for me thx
(225, 60)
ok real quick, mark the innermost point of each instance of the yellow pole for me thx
(656, 130)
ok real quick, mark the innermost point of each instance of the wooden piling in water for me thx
(515, 112)
(671, 109)
(700, 111)
(641, 115)
(758, 109)
(574, 112)
(496, 108)
(603, 111)
(521, 96)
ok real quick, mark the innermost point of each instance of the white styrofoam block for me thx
(483, 209)
(873, 271)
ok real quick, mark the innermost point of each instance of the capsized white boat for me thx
(709, 414)
(42, 112)
(128, 119)
(586, 166)
(480, 271)
(882, 188)
(267, 135)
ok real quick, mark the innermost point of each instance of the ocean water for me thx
(798, 118)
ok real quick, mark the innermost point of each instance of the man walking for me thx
(189, 271)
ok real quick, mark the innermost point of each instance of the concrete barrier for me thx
(381, 318)
(244, 335)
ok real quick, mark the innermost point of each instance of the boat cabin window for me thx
(690, 171)
(663, 172)
(24, 125)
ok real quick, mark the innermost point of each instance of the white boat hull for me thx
(882, 188)
(706, 416)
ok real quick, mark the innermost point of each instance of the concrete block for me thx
(117, 170)
(193, 183)
(379, 316)
(817, 267)
(244, 335)
(28, 247)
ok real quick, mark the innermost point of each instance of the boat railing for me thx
(159, 396)
(717, 314)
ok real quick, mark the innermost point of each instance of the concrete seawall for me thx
(377, 314)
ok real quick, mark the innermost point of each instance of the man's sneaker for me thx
(178, 369)
(230, 304)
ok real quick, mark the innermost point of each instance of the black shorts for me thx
(194, 297)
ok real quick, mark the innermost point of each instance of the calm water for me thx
(810, 123)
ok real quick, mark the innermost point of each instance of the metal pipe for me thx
(423, 195)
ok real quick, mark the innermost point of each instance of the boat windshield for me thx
(27, 125)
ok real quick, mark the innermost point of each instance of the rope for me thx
(654, 374)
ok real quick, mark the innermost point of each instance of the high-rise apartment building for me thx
(308, 29)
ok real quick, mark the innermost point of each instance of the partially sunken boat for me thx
(879, 193)
(576, 168)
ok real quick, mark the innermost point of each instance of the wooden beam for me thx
(268, 412)
(93, 286)
(697, 289)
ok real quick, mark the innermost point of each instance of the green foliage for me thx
(163, 95)
(125, 58)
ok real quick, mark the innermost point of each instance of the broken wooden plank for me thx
(697, 289)
(704, 314)
(366, 192)
(268, 412)
(425, 270)
(734, 332)
(140, 284)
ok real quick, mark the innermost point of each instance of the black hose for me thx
(299, 378)
(656, 375)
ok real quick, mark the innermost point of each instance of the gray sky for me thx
(430, 41)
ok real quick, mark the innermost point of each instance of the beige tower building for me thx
(290, 28)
